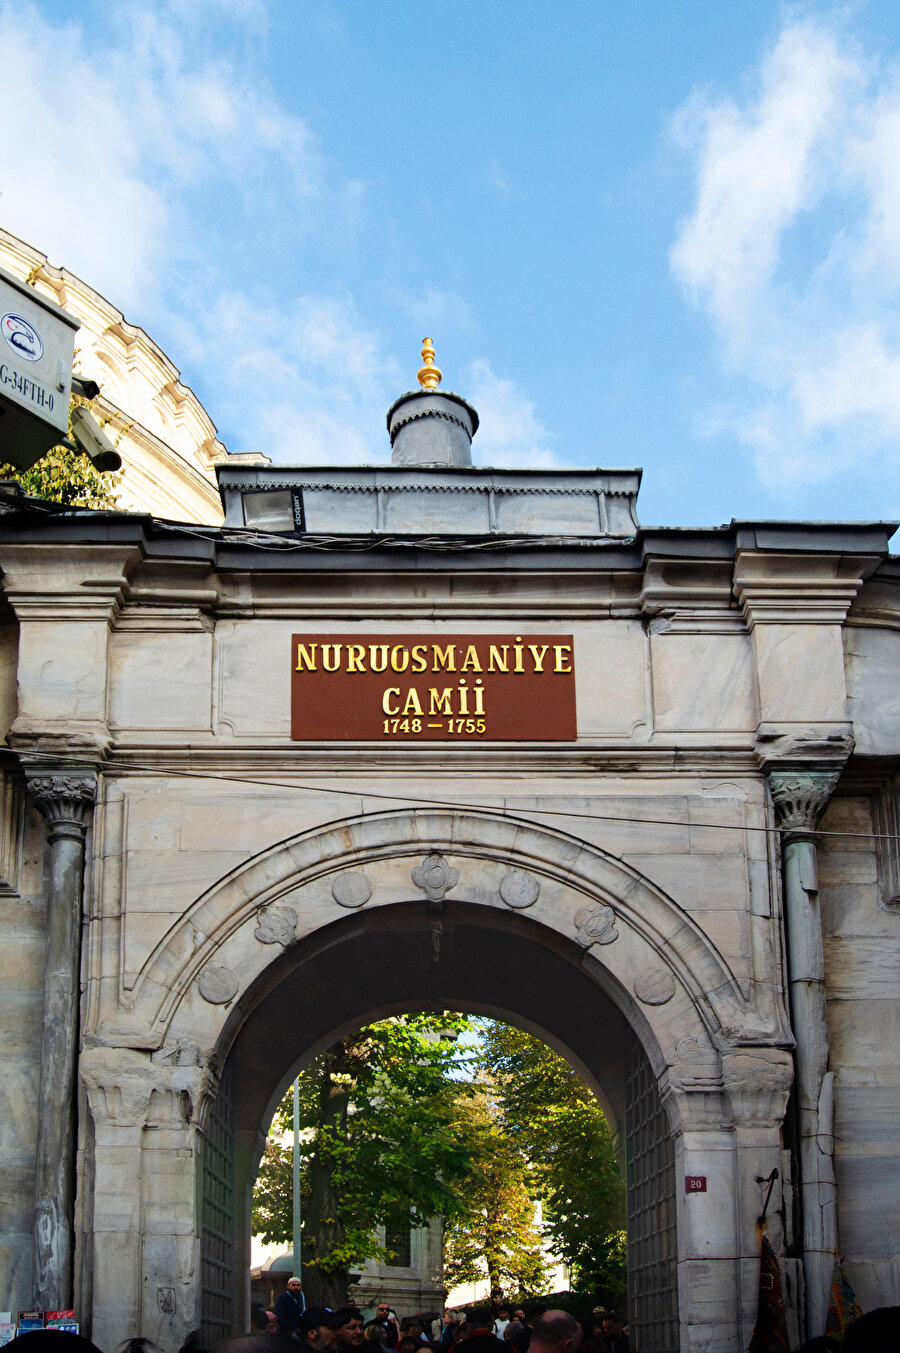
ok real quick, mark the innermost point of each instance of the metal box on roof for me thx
(37, 345)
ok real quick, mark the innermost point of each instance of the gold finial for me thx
(430, 375)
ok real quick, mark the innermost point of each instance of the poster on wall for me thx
(61, 1320)
(427, 687)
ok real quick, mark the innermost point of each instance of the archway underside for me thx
(412, 956)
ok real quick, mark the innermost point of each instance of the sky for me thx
(663, 233)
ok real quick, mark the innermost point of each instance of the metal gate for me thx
(217, 1210)
(652, 1239)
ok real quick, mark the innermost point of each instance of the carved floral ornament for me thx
(64, 798)
(801, 796)
(596, 924)
(435, 877)
(275, 925)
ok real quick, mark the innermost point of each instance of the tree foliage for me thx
(556, 1123)
(397, 1128)
(496, 1237)
(383, 1144)
(66, 477)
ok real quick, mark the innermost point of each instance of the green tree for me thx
(384, 1143)
(548, 1112)
(496, 1237)
(66, 477)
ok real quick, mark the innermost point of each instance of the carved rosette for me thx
(435, 877)
(275, 925)
(800, 798)
(66, 801)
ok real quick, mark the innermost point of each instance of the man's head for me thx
(382, 1310)
(502, 1312)
(412, 1325)
(408, 1344)
(351, 1328)
(555, 1332)
(318, 1326)
(612, 1326)
(259, 1318)
(519, 1314)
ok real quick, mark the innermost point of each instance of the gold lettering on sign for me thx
(504, 688)
(412, 705)
(440, 701)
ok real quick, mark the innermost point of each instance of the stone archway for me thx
(402, 958)
(481, 911)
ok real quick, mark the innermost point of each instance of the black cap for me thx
(315, 1317)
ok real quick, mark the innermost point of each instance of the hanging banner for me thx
(428, 688)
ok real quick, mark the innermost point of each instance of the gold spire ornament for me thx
(430, 375)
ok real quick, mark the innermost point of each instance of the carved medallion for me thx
(519, 889)
(275, 925)
(352, 889)
(596, 924)
(217, 984)
(654, 986)
(435, 877)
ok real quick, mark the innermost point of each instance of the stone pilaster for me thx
(141, 1174)
(66, 802)
(800, 795)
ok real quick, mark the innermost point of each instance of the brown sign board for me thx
(433, 688)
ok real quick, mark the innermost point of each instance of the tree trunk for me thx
(323, 1230)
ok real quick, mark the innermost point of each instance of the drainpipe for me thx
(66, 802)
(800, 797)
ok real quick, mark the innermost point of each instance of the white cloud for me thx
(510, 433)
(322, 381)
(106, 140)
(792, 249)
(153, 160)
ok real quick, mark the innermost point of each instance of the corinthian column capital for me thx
(66, 801)
(800, 797)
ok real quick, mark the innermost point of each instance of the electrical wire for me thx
(112, 767)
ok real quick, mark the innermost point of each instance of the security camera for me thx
(86, 389)
(92, 443)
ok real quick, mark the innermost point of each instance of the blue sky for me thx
(660, 234)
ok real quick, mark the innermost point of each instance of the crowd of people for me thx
(347, 1330)
(535, 1329)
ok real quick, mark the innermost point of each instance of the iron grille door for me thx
(652, 1239)
(217, 1220)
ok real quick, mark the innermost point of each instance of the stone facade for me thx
(167, 440)
(694, 876)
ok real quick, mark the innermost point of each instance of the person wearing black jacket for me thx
(290, 1306)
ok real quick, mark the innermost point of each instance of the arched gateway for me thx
(433, 734)
(429, 908)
